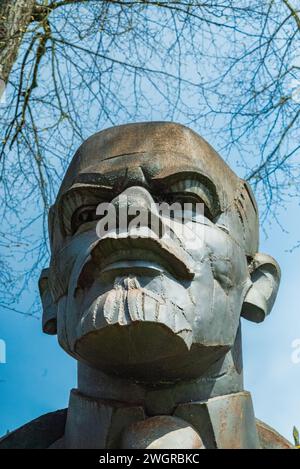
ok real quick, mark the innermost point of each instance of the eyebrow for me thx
(95, 182)
(79, 187)
(93, 190)
(194, 174)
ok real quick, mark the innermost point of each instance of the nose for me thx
(136, 203)
(136, 196)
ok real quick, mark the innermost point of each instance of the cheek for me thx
(217, 312)
(62, 334)
(218, 291)
(223, 313)
(64, 260)
(226, 308)
(228, 261)
(222, 269)
(202, 294)
(230, 286)
(211, 322)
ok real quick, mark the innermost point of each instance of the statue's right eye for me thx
(83, 215)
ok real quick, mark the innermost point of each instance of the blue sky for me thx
(38, 375)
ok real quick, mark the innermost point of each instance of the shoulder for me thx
(47, 429)
(37, 434)
(270, 438)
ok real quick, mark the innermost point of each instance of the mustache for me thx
(127, 302)
(115, 247)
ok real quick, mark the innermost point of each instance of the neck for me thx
(224, 377)
(105, 409)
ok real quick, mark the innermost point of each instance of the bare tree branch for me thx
(228, 68)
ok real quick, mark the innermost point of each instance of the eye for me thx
(198, 192)
(194, 205)
(83, 215)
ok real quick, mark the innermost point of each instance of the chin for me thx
(134, 333)
(147, 352)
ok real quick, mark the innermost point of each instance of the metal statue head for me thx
(147, 303)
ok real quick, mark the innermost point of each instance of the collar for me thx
(222, 422)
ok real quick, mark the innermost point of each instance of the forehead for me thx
(156, 148)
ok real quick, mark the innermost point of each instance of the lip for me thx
(141, 253)
(144, 262)
(136, 255)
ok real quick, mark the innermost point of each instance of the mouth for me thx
(137, 260)
(138, 254)
(143, 253)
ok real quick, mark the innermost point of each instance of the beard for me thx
(132, 331)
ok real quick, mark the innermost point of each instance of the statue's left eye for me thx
(191, 202)
(83, 215)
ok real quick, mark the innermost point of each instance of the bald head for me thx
(176, 146)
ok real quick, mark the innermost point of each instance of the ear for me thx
(49, 318)
(265, 278)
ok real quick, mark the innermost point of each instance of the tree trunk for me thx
(15, 16)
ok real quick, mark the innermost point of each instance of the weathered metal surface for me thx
(223, 422)
(161, 432)
(270, 438)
